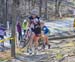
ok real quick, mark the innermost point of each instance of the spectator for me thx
(19, 30)
(24, 26)
(2, 33)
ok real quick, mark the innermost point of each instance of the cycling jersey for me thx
(24, 25)
(35, 25)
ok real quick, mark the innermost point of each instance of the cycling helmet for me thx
(34, 12)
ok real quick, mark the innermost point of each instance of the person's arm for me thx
(28, 22)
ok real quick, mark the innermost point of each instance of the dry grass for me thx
(5, 56)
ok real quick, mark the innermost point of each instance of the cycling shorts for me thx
(37, 32)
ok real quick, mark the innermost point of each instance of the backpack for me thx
(45, 30)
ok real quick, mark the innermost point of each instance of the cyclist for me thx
(45, 32)
(34, 24)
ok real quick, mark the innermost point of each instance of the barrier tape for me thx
(7, 39)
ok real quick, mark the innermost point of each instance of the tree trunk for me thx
(13, 29)
(33, 4)
(29, 5)
(57, 7)
(46, 9)
(6, 10)
(60, 1)
(40, 8)
(25, 7)
(3, 10)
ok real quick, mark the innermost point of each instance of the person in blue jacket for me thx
(45, 32)
(2, 33)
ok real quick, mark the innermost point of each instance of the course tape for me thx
(6, 39)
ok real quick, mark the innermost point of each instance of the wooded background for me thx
(47, 8)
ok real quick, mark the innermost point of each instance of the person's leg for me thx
(2, 37)
(18, 35)
(46, 41)
(36, 38)
(21, 35)
(36, 43)
(2, 43)
(29, 49)
(31, 40)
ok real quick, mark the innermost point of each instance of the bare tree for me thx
(40, 7)
(33, 4)
(29, 5)
(46, 9)
(57, 7)
(14, 14)
(2, 11)
(25, 7)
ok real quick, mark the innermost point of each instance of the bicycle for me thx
(25, 40)
(40, 44)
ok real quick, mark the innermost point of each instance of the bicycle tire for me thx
(27, 40)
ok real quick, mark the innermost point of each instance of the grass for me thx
(6, 56)
(4, 60)
(59, 56)
(20, 50)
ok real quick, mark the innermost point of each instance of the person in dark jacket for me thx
(19, 30)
